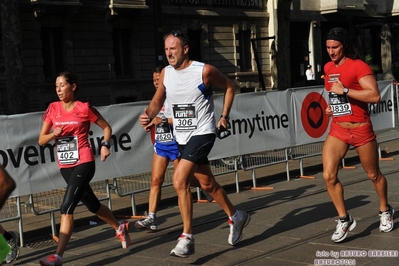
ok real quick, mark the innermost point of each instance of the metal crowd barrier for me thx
(301, 152)
(50, 201)
(386, 136)
(262, 159)
(131, 185)
(226, 166)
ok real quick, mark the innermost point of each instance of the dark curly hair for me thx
(342, 35)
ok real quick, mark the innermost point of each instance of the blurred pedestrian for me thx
(309, 73)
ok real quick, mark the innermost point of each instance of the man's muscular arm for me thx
(212, 75)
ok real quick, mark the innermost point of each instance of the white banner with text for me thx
(259, 121)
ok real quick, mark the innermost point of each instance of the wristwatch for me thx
(106, 144)
(346, 90)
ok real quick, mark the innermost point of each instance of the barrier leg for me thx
(21, 231)
(237, 182)
(199, 200)
(108, 194)
(134, 212)
(301, 171)
(255, 187)
(53, 227)
(346, 167)
(380, 155)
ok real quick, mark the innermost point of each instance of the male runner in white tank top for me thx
(187, 91)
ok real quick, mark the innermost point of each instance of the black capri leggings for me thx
(78, 188)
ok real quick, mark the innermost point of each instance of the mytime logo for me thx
(259, 122)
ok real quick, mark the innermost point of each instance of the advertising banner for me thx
(259, 121)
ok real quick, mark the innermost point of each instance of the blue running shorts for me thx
(169, 151)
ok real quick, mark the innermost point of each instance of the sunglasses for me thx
(183, 37)
(177, 33)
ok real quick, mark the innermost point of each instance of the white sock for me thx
(151, 215)
(188, 235)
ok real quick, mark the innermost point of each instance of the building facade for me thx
(372, 24)
(115, 44)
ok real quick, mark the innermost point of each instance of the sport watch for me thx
(106, 144)
(346, 90)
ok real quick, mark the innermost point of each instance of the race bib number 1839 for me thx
(340, 104)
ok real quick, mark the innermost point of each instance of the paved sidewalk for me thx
(291, 225)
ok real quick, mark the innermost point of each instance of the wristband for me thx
(106, 144)
(225, 117)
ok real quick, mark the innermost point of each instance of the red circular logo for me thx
(314, 119)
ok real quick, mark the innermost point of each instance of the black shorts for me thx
(198, 148)
(78, 188)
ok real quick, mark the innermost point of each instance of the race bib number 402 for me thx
(67, 150)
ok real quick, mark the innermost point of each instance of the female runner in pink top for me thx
(70, 122)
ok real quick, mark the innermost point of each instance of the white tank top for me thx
(190, 102)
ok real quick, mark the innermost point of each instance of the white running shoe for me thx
(236, 227)
(147, 223)
(184, 247)
(386, 220)
(342, 229)
(123, 234)
(14, 247)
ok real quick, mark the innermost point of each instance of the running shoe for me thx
(236, 227)
(147, 223)
(184, 247)
(386, 220)
(14, 247)
(123, 234)
(342, 229)
(52, 260)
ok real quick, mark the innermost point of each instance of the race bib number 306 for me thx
(184, 117)
(67, 150)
